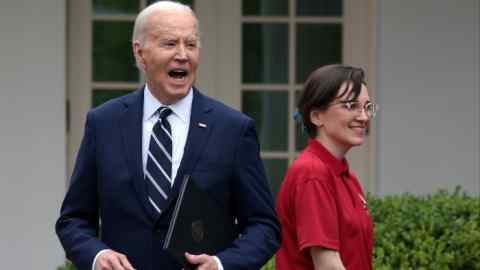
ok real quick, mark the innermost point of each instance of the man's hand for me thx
(202, 261)
(111, 260)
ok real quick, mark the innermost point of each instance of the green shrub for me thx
(439, 231)
(270, 265)
(66, 266)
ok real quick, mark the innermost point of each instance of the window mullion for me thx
(291, 80)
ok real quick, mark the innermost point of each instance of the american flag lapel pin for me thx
(202, 125)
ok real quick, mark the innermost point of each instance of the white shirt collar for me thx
(181, 108)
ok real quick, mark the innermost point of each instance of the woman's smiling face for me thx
(340, 126)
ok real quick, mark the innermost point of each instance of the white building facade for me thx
(421, 58)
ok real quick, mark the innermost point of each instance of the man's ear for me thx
(316, 117)
(138, 53)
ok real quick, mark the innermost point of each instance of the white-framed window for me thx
(282, 42)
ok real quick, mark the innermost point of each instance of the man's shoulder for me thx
(223, 110)
(117, 105)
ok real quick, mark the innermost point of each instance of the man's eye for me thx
(168, 44)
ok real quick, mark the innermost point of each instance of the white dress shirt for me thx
(179, 121)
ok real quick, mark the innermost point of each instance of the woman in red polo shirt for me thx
(321, 206)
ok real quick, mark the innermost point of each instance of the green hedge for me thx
(438, 231)
(66, 266)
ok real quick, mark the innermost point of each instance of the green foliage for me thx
(270, 265)
(66, 266)
(439, 231)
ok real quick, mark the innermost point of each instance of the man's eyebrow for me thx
(167, 39)
(191, 39)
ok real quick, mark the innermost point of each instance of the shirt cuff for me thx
(219, 263)
(96, 256)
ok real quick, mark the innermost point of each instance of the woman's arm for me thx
(326, 259)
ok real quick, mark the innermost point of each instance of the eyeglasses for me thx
(370, 108)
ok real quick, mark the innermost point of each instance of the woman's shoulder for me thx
(308, 167)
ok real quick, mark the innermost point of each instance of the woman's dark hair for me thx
(323, 86)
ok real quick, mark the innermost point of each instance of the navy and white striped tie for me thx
(158, 172)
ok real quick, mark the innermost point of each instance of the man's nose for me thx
(181, 53)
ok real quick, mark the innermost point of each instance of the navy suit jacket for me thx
(106, 204)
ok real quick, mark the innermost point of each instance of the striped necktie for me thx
(158, 172)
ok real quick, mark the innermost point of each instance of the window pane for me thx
(317, 45)
(269, 110)
(115, 6)
(101, 96)
(301, 135)
(264, 7)
(319, 7)
(265, 53)
(112, 54)
(275, 170)
(185, 2)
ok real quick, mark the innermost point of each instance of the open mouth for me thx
(178, 74)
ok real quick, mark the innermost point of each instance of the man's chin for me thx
(175, 95)
(177, 87)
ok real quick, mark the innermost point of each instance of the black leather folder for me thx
(199, 224)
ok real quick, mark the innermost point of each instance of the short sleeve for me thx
(316, 215)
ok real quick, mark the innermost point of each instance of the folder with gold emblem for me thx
(199, 224)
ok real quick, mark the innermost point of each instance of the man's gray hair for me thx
(140, 27)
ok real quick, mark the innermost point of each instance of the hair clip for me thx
(297, 116)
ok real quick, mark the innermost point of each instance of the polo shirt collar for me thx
(339, 167)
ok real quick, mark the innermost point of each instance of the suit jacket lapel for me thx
(131, 126)
(200, 129)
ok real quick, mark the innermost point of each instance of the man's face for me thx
(170, 54)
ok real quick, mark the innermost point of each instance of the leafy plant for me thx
(66, 266)
(439, 231)
(270, 265)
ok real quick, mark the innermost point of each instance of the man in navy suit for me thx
(108, 219)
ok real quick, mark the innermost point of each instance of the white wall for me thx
(428, 87)
(32, 132)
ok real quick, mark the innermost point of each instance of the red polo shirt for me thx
(322, 204)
